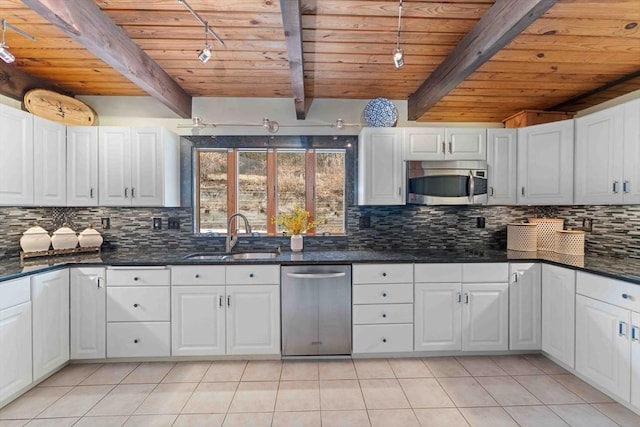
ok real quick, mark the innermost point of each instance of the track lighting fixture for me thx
(398, 52)
(5, 55)
(205, 54)
(270, 125)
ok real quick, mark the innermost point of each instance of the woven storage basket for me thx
(521, 236)
(569, 242)
(547, 228)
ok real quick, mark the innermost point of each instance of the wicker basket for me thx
(547, 228)
(569, 242)
(522, 236)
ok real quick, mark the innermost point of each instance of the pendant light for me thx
(398, 52)
(205, 54)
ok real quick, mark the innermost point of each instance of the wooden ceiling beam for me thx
(88, 25)
(501, 24)
(14, 83)
(292, 23)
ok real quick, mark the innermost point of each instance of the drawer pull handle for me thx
(136, 341)
(384, 274)
(622, 328)
(135, 305)
(384, 340)
(197, 276)
(626, 296)
(384, 315)
(250, 274)
(135, 279)
(634, 333)
(220, 300)
(384, 295)
(229, 301)
(466, 298)
(459, 297)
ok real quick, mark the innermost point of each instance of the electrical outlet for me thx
(106, 223)
(481, 222)
(157, 223)
(174, 224)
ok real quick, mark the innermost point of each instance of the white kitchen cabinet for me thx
(485, 316)
(16, 161)
(635, 359)
(525, 306)
(253, 319)
(603, 345)
(50, 304)
(138, 167)
(381, 171)
(545, 164)
(607, 156)
(49, 162)
(198, 320)
(501, 166)
(438, 316)
(15, 338)
(88, 322)
(82, 166)
(424, 143)
(558, 313)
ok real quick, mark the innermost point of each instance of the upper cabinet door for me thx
(381, 177)
(49, 162)
(115, 166)
(82, 166)
(146, 167)
(466, 144)
(631, 162)
(545, 164)
(16, 161)
(501, 165)
(598, 173)
(423, 143)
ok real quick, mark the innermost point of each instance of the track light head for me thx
(270, 125)
(5, 55)
(205, 54)
(398, 57)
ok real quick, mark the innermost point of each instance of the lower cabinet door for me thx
(558, 313)
(382, 338)
(438, 318)
(485, 317)
(253, 319)
(88, 322)
(603, 346)
(635, 359)
(197, 320)
(50, 305)
(138, 339)
(525, 312)
(15, 356)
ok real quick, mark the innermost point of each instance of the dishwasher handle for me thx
(316, 275)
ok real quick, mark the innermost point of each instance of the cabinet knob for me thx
(626, 296)
(136, 341)
(197, 276)
(135, 279)
(250, 274)
(384, 295)
(384, 274)
(135, 305)
(384, 340)
(384, 315)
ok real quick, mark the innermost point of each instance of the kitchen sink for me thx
(217, 256)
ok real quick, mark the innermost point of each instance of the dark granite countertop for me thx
(619, 268)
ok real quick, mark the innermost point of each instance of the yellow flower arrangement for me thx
(296, 221)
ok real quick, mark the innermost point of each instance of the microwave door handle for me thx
(472, 186)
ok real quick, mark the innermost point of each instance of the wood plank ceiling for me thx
(558, 62)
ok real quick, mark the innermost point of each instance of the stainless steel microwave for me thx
(447, 183)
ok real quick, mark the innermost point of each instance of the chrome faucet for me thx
(232, 239)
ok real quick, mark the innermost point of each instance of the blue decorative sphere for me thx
(380, 112)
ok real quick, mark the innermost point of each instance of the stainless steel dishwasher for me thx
(316, 310)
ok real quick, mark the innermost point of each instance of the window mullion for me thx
(310, 187)
(271, 190)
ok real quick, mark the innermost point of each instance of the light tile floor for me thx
(526, 391)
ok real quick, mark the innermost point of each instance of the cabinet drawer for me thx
(382, 313)
(382, 273)
(14, 292)
(485, 272)
(136, 304)
(198, 275)
(253, 275)
(438, 273)
(383, 294)
(612, 291)
(138, 339)
(138, 277)
(382, 338)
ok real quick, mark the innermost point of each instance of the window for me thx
(260, 183)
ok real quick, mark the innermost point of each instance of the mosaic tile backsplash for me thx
(616, 229)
